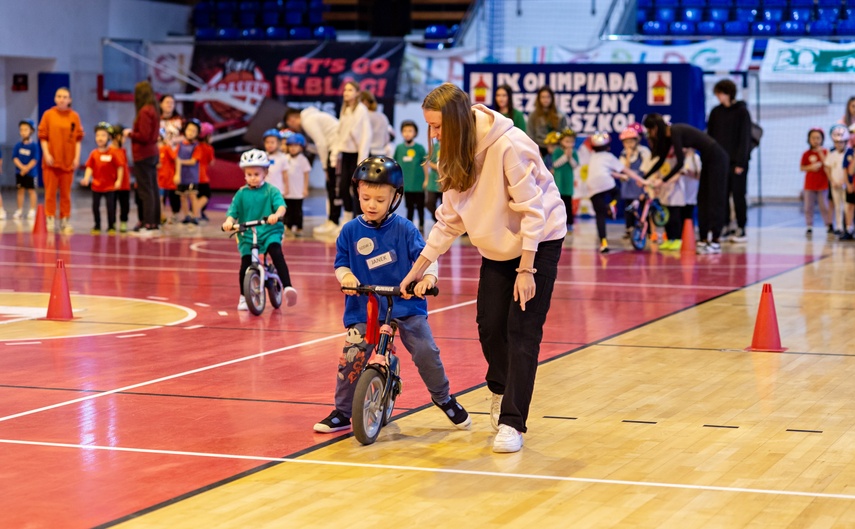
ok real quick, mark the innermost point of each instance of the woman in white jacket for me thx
(380, 128)
(352, 145)
(497, 189)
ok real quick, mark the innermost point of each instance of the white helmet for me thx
(254, 158)
(600, 139)
(839, 133)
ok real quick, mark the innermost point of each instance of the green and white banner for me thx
(808, 61)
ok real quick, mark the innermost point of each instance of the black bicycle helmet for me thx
(382, 170)
(195, 122)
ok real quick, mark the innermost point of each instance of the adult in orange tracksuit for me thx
(60, 134)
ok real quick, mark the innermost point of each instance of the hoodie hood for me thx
(489, 127)
(736, 106)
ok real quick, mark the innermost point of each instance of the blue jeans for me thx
(416, 336)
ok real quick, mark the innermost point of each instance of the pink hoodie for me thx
(514, 204)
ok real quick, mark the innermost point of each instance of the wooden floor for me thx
(647, 412)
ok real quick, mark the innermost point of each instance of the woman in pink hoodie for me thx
(497, 189)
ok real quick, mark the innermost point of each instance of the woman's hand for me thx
(427, 283)
(524, 288)
(411, 277)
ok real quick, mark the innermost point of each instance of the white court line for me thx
(198, 370)
(190, 328)
(23, 343)
(157, 298)
(131, 336)
(202, 305)
(222, 313)
(454, 471)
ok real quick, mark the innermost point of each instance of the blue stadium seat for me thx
(293, 18)
(274, 33)
(300, 33)
(792, 28)
(654, 27)
(252, 34)
(301, 6)
(772, 15)
(829, 14)
(774, 3)
(228, 34)
(744, 14)
(718, 14)
(683, 29)
(846, 27)
(846, 13)
(206, 34)
(763, 29)
(820, 28)
(710, 27)
(829, 3)
(325, 33)
(644, 4)
(316, 17)
(801, 14)
(225, 19)
(202, 15)
(801, 3)
(270, 18)
(694, 3)
(249, 6)
(665, 14)
(436, 32)
(692, 14)
(641, 16)
(720, 3)
(748, 4)
(736, 28)
(667, 3)
(248, 18)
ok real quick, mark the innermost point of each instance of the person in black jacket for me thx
(730, 125)
(712, 187)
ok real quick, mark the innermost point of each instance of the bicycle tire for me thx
(638, 238)
(368, 406)
(661, 216)
(274, 292)
(253, 291)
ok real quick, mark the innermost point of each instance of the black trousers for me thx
(601, 202)
(737, 188)
(568, 205)
(346, 195)
(123, 198)
(110, 198)
(172, 199)
(712, 194)
(432, 202)
(415, 201)
(145, 171)
(294, 213)
(674, 228)
(274, 250)
(510, 337)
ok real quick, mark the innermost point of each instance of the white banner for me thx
(171, 59)
(808, 61)
(716, 55)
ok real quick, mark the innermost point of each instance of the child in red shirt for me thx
(166, 172)
(104, 175)
(816, 181)
(123, 195)
(206, 159)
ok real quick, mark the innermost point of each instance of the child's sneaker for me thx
(334, 422)
(326, 228)
(65, 226)
(111, 231)
(738, 236)
(455, 412)
(31, 214)
(666, 246)
(18, 214)
(847, 236)
(495, 410)
(613, 209)
(290, 295)
(203, 216)
(123, 227)
(713, 247)
(51, 224)
(2, 214)
(604, 246)
(508, 440)
(187, 219)
(676, 245)
(242, 304)
(95, 231)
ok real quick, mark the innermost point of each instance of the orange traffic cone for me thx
(40, 225)
(766, 334)
(59, 307)
(689, 243)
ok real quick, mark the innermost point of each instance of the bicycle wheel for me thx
(274, 291)
(639, 238)
(661, 215)
(253, 291)
(368, 412)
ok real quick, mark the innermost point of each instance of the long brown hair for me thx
(457, 163)
(848, 118)
(368, 100)
(356, 101)
(144, 95)
(550, 113)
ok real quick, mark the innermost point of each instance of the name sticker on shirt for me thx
(365, 246)
(106, 157)
(381, 260)
(24, 152)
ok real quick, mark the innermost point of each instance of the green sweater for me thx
(410, 158)
(255, 204)
(518, 118)
(433, 175)
(564, 172)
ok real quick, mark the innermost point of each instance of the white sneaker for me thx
(713, 248)
(738, 236)
(18, 214)
(508, 440)
(242, 304)
(290, 294)
(2, 214)
(51, 224)
(65, 226)
(495, 411)
(326, 227)
(31, 214)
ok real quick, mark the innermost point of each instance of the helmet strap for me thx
(399, 196)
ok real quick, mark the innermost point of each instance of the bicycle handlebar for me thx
(389, 291)
(243, 226)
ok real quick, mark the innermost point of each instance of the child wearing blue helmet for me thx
(378, 248)
(296, 183)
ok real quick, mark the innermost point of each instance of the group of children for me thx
(830, 175)
(182, 175)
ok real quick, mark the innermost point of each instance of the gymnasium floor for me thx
(160, 405)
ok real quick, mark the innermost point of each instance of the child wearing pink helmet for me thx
(638, 158)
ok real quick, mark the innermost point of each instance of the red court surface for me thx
(225, 382)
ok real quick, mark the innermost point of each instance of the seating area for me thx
(261, 20)
(688, 19)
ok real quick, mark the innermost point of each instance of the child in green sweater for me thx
(564, 162)
(411, 157)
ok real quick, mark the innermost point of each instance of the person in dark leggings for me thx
(353, 143)
(144, 135)
(712, 192)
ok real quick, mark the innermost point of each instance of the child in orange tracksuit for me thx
(206, 160)
(166, 172)
(60, 134)
(104, 174)
(123, 194)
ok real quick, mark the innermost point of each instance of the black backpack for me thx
(756, 134)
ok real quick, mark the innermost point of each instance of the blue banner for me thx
(597, 97)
